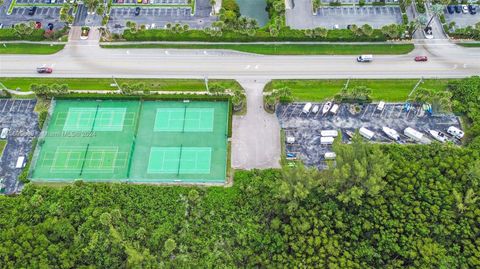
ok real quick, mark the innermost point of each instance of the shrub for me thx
(361, 3)
(11, 34)
(335, 4)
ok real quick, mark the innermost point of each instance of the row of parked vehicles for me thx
(462, 9)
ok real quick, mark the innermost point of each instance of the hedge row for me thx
(10, 34)
(285, 34)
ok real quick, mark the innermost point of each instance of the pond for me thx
(254, 9)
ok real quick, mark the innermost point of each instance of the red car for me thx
(47, 70)
(38, 25)
(421, 59)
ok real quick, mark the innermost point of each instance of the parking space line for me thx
(13, 104)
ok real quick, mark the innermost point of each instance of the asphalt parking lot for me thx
(463, 20)
(301, 16)
(306, 127)
(46, 2)
(377, 16)
(161, 16)
(44, 14)
(22, 121)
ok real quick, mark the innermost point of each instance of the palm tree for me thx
(437, 10)
(418, 22)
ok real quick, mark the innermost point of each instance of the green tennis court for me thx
(153, 141)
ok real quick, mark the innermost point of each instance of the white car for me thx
(428, 32)
(465, 9)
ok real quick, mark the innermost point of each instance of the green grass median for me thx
(287, 49)
(101, 84)
(28, 48)
(470, 45)
(391, 90)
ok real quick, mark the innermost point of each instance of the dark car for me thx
(421, 58)
(50, 26)
(137, 11)
(32, 10)
(46, 70)
(472, 9)
(458, 9)
(450, 9)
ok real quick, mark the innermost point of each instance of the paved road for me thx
(256, 136)
(88, 60)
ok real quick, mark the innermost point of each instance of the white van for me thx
(4, 133)
(330, 155)
(454, 131)
(306, 108)
(366, 133)
(365, 58)
(326, 140)
(20, 162)
(331, 133)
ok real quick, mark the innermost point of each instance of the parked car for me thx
(421, 59)
(428, 32)
(458, 9)
(46, 70)
(32, 10)
(464, 9)
(472, 9)
(139, 1)
(137, 11)
(450, 9)
(50, 26)
(145, 1)
(38, 25)
(1, 25)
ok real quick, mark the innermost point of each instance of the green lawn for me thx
(104, 83)
(3, 144)
(25, 48)
(392, 90)
(469, 45)
(288, 49)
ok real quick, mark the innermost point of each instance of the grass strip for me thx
(391, 90)
(26, 48)
(3, 144)
(470, 45)
(101, 84)
(287, 49)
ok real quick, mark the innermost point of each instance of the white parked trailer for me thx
(330, 155)
(366, 133)
(332, 133)
(326, 140)
(457, 133)
(307, 108)
(381, 106)
(416, 135)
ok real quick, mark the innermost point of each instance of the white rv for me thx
(454, 131)
(366, 133)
